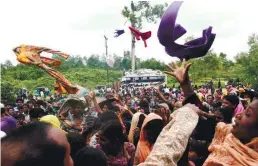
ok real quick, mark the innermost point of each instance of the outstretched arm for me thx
(181, 75)
(172, 141)
(94, 100)
(161, 96)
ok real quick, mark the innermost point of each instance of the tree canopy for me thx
(91, 71)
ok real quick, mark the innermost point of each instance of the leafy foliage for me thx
(142, 10)
(248, 61)
(89, 72)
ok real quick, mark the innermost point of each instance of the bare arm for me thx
(94, 100)
(160, 95)
(96, 105)
(172, 141)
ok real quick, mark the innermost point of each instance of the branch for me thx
(126, 12)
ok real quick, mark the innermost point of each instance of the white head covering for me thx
(166, 90)
(134, 124)
(1, 105)
(2, 134)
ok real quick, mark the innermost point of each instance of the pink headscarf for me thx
(240, 108)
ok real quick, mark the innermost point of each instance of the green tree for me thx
(222, 55)
(8, 64)
(189, 38)
(249, 60)
(93, 61)
(135, 15)
(118, 62)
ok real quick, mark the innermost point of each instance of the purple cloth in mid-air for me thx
(119, 32)
(169, 31)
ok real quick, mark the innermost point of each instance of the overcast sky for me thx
(78, 26)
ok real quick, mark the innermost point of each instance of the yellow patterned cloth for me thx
(227, 150)
(30, 55)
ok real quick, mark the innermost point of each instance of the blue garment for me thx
(119, 32)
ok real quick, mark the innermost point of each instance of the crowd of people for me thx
(143, 126)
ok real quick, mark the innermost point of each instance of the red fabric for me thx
(141, 35)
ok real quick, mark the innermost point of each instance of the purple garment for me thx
(119, 32)
(169, 32)
(7, 124)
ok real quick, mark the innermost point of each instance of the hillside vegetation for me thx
(90, 72)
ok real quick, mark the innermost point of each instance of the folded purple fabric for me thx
(169, 31)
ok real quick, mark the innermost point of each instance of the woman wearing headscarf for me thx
(232, 144)
(133, 127)
(53, 120)
(71, 115)
(233, 101)
(150, 131)
(114, 144)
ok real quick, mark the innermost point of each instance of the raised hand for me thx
(156, 88)
(180, 73)
(92, 95)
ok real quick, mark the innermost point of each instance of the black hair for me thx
(30, 101)
(90, 157)
(127, 125)
(166, 94)
(76, 141)
(2, 110)
(210, 96)
(36, 112)
(140, 122)
(20, 107)
(19, 100)
(174, 99)
(145, 106)
(200, 147)
(128, 95)
(86, 133)
(40, 102)
(113, 131)
(115, 109)
(107, 116)
(9, 103)
(90, 128)
(227, 113)
(153, 129)
(255, 95)
(233, 99)
(31, 146)
(205, 129)
(19, 116)
(136, 135)
(133, 110)
(216, 104)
